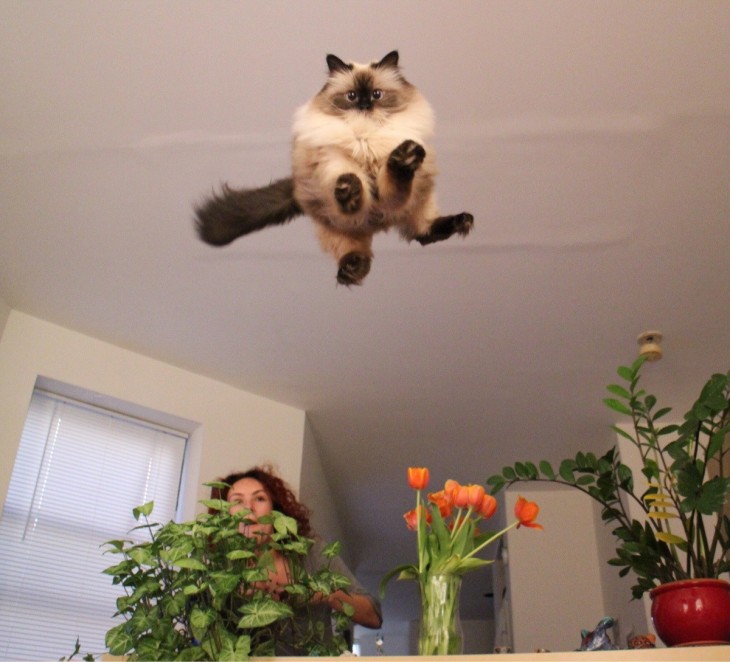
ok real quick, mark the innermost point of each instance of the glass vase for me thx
(440, 630)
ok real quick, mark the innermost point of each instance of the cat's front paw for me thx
(353, 267)
(405, 159)
(447, 226)
(349, 193)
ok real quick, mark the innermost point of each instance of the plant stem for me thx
(490, 539)
(640, 413)
(421, 523)
(622, 517)
(720, 425)
(460, 522)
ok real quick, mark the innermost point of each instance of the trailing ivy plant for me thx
(192, 592)
(685, 532)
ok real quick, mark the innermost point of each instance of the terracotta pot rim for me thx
(689, 583)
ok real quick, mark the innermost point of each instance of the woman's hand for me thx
(364, 613)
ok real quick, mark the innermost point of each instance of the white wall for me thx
(554, 574)
(4, 314)
(314, 490)
(478, 635)
(233, 429)
(632, 615)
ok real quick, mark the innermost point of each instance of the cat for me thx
(360, 165)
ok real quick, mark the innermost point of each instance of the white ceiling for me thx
(591, 141)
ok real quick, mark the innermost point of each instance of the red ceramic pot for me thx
(692, 612)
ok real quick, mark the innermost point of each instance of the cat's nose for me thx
(365, 104)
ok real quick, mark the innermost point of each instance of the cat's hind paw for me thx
(446, 226)
(353, 267)
(405, 159)
(349, 193)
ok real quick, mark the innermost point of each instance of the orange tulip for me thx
(475, 495)
(526, 511)
(411, 518)
(418, 477)
(460, 495)
(443, 500)
(488, 506)
(450, 486)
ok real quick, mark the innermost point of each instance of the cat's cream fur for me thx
(361, 163)
(329, 143)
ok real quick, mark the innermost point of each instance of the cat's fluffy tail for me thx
(234, 212)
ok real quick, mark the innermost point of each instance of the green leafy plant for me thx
(684, 533)
(193, 591)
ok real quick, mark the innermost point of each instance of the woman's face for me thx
(249, 493)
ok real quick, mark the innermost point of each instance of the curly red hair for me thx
(282, 496)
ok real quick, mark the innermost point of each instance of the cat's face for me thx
(377, 89)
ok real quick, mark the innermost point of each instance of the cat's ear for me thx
(335, 64)
(390, 60)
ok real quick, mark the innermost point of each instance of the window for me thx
(78, 473)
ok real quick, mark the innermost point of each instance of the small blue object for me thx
(598, 639)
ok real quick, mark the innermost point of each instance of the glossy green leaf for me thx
(619, 391)
(547, 470)
(141, 556)
(532, 472)
(238, 554)
(117, 640)
(669, 538)
(626, 373)
(192, 564)
(618, 406)
(717, 441)
(496, 483)
(145, 510)
(509, 473)
(261, 613)
(566, 470)
(216, 504)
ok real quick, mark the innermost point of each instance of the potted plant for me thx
(193, 590)
(684, 533)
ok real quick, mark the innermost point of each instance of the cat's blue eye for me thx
(352, 96)
(377, 94)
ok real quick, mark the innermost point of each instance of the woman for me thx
(260, 491)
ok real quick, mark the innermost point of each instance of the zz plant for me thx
(192, 591)
(684, 530)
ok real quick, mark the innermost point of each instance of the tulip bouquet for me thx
(448, 542)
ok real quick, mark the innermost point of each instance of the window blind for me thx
(78, 474)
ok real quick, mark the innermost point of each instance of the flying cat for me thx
(360, 164)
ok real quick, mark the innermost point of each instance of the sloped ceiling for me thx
(590, 140)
